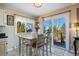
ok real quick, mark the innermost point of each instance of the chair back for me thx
(39, 40)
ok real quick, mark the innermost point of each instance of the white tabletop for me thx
(27, 36)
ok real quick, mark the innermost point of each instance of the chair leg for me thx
(47, 47)
(39, 52)
(22, 50)
(19, 47)
(46, 50)
(30, 52)
(50, 47)
(27, 50)
(43, 51)
(34, 53)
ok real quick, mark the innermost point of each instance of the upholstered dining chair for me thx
(39, 44)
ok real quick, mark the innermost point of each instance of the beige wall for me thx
(10, 31)
(73, 19)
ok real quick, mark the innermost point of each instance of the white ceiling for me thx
(29, 8)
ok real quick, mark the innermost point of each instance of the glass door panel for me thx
(59, 31)
(60, 28)
(47, 26)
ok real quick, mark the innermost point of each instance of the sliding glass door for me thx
(59, 31)
(58, 25)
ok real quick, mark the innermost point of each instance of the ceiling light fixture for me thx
(38, 5)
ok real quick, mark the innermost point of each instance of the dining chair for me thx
(39, 43)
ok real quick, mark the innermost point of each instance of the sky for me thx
(55, 21)
(47, 24)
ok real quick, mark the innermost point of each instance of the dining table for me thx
(28, 38)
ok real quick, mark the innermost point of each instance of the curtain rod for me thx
(57, 14)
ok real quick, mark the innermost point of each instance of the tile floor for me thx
(55, 52)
